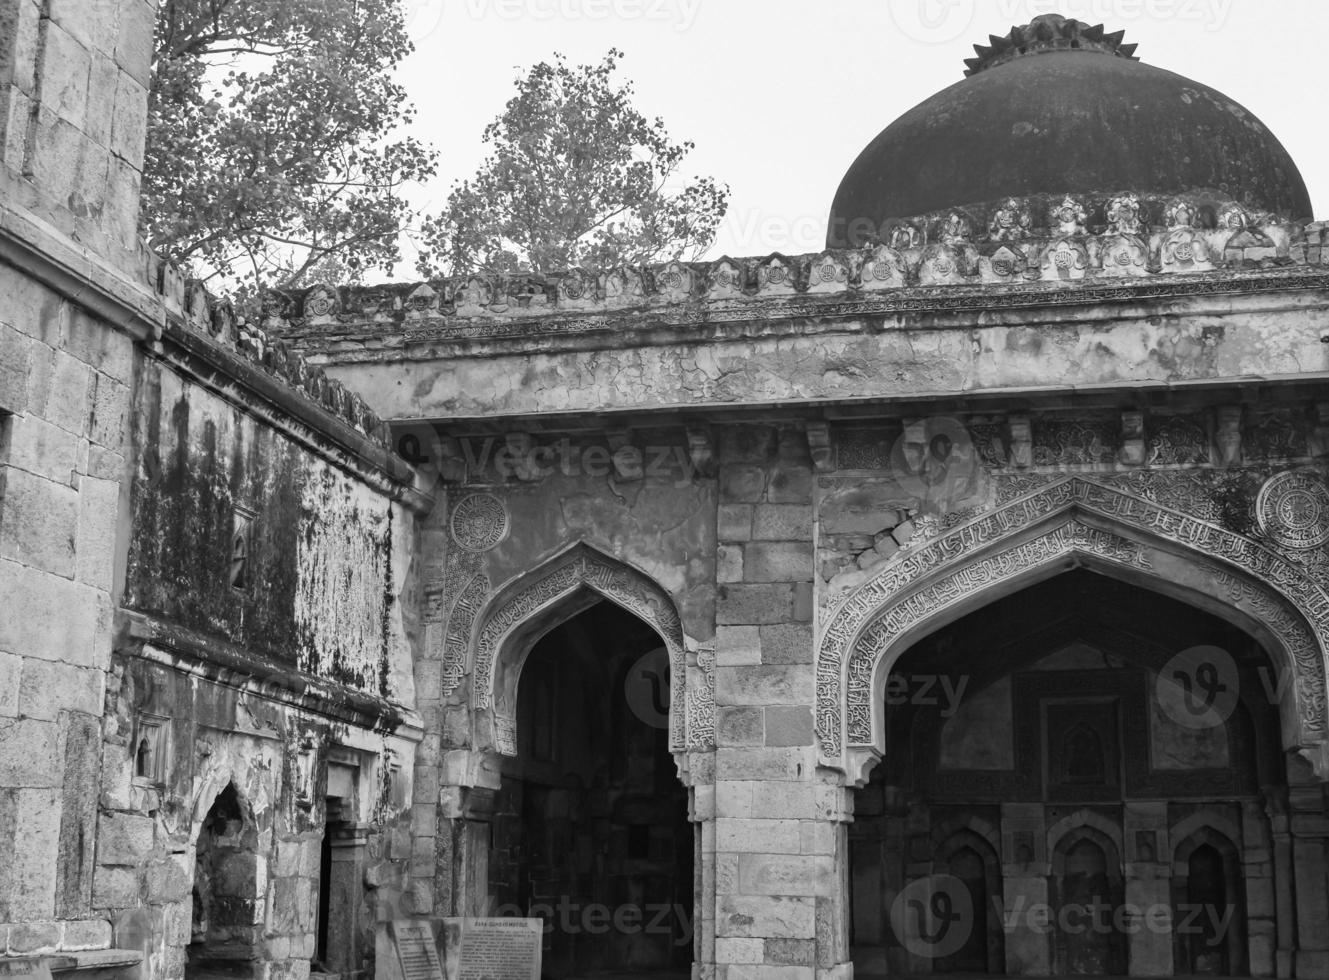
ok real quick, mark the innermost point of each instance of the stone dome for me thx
(1058, 107)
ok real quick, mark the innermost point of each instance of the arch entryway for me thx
(585, 705)
(1067, 524)
(1049, 726)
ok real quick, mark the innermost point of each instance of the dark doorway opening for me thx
(591, 829)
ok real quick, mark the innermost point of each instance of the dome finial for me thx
(1048, 32)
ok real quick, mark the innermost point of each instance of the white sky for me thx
(781, 95)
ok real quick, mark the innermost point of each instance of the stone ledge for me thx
(97, 964)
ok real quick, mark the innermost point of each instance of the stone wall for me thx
(64, 409)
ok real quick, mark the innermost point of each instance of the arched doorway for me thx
(1209, 905)
(1048, 721)
(590, 828)
(227, 901)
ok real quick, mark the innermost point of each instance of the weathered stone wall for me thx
(73, 112)
(65, 380)
(277, 756)
(241, 534)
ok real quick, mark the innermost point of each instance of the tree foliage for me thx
(271, 153)
(575, 176)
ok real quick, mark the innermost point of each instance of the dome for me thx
(1059, 107)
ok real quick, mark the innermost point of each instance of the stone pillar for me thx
(1149, 936)
(1026, 868)
(1257, 871)
(1309, 828)
(701, 811)
(777, 883)
(1285, 903)
(346, 893)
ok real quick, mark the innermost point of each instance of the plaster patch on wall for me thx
(343, 588)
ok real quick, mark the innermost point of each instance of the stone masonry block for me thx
(782, 874)
(729, 563)
(29, 846)
(133, 47)
(30, 307)
(86, 934)
(15, 366)
(782, 522)
(734, 522)
(34, 937)
(757, 836)
(733, 950)
(766, 685)
(754, 604)
(49, 687)
(765, 916)
(65, 393)
(129, 125)
(97, 345)
(42, 448)
(792, 764)
(37, 523)
(781, 800)
(11, 674)
(66, 67)
(790, 483)
(737, 646)
(110, 412)
(789, 725)
(103, 79)
(791, 952)
(742, 484)
(28, 754)
(98, 518)
(787, 643)
(740, 971)
(784, 561)
(62, 620)
(733, 798)
(739, 726)
(123, 839)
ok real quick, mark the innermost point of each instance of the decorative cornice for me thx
(1049, 32)
(1032, 252)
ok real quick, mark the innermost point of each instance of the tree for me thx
(270, 154)
(576, 176)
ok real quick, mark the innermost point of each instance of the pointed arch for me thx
(1069, 523)
(534, 603)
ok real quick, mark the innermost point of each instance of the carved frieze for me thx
(578, 569)
(862, 628)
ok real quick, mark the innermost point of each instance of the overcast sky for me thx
(780, 96)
